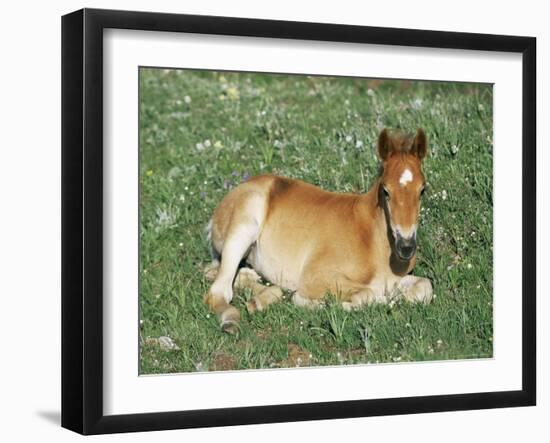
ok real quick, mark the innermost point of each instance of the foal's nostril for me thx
(406, 251)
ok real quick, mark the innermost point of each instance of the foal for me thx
(359, 247)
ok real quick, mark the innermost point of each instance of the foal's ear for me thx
(420, 144)
(384, 144)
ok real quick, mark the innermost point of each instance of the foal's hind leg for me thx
(262, 295)
(248, 278)
(241, 233)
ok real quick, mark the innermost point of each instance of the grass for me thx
(202, 133)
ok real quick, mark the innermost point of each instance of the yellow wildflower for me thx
(233, 93)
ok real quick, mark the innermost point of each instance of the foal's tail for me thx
(208, 232)
(210, 270)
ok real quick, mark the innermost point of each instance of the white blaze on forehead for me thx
(406, 177)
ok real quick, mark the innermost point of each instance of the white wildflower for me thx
(187, 99)
(348, 138)
(416, 103)
(207, 143)
(454, 149)
(444, 195)
(370, 92)
(199, 146)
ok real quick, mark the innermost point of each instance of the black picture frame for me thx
(82, 218)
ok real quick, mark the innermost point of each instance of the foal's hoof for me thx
(252, 306)
(230, 327)
(229, 320)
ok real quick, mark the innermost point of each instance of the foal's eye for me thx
(386, 193)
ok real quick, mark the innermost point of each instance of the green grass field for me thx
(202, 133)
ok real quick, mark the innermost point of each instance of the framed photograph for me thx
(269, 221)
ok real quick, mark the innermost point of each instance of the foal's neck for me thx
(370, 209)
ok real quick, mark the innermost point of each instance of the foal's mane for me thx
(401, 145)
(401, 142)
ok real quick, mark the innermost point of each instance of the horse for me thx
(309, 241)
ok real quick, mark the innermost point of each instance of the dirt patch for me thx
(267, 333)
(348, 356)
(355, 356)
(223, 362)
(296, 357)
(264, 334)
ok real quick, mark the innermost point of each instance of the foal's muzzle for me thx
(405, 247)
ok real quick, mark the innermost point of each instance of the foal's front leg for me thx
(352, 294)
(364, 297)
(415, 289)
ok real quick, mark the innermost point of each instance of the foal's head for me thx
(401, 185)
